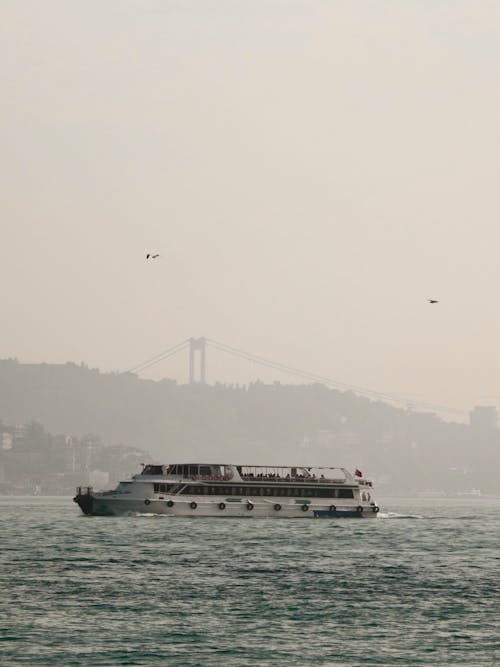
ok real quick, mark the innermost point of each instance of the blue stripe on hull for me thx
(326, 514)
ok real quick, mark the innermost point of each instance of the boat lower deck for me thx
(257, 507)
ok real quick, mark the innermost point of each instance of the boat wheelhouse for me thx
(207, 489)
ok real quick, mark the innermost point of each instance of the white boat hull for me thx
(191, 506)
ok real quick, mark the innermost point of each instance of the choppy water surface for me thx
(417, 586)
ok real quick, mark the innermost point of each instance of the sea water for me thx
(417, 586)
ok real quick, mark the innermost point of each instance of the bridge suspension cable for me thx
(369, 393)
(161, 356)
(290, 370)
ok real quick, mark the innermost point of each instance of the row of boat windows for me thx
(227, 490)
(189, 471)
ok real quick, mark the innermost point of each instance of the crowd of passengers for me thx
(273, 476)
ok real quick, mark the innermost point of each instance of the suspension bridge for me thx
(197, 350)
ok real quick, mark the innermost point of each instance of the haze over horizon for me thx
(310, 174)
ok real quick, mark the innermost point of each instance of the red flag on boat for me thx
(358, 473)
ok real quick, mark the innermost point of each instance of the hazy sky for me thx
(311, 171)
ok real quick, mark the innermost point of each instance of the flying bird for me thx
(432, 300)
(150, 256)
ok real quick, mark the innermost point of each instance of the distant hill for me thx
(259, 423)
(35, 462)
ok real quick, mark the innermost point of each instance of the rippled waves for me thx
(416, 586)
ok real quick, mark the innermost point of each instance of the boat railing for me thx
(287, 479)
(84, 490)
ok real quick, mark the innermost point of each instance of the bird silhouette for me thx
(432, 300)
(150, 256)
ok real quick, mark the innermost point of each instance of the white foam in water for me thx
(396, 515)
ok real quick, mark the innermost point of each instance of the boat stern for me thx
(85, 499)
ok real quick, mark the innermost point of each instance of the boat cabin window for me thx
(152, 470)
(281, 491)
(162, 488)
(179, 470)
(187, 470)
(190, 470)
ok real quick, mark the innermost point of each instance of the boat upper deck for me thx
(209, 473)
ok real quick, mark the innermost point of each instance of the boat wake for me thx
(397, 515)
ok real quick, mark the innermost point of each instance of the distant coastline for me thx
(64, 425)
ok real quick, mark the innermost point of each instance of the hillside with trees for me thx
(404, 451)
(36, 462)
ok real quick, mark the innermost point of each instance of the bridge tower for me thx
(197, 344)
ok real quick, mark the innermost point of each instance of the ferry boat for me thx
(208, 490)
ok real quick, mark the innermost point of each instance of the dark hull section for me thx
(87, 503)
(343, 514)
(93, 507)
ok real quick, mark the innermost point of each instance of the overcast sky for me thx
(311, 171)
